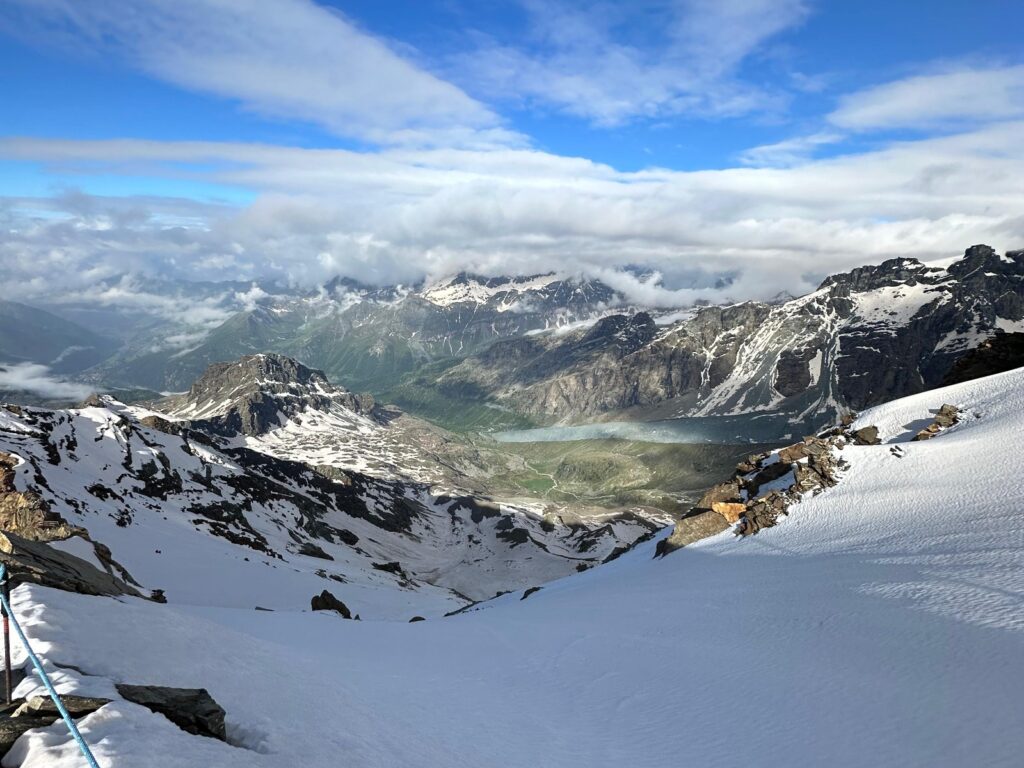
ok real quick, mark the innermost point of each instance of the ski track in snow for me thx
(879, 624)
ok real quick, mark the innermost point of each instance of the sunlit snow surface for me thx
(881, 624)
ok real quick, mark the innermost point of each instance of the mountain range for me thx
(475, 353)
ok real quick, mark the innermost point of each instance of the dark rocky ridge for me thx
(252, 394)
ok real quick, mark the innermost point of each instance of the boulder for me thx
(723, 492)
(191, 709)
(693, 527)
(325, 601)
(731, 511)
(947, 416)
(866, 436)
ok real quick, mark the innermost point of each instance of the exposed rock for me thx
(415, 619)
(697, 525)
(161, 424)
(114, 568)
(865, 436)
(1002, 352)
(769, 474)
(310, 549)
(763, 513)
(393, 567)
(325, 601)
(11, 729)
(947, 416)
(43, 706)
(530, 591)
(248, 396)
(38, 563)
(793, 372)
(25, 513)
(191, 709)
(726, 492)
(812, 466)
(731, 511)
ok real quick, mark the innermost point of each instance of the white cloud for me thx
(401, 215)
(37, 379)
(290, 59)
(954, 97)
(788, 152)
(250, 299)
(579, 59)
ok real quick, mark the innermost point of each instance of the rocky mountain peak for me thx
(258, 393)
(981, 259)
(261, 370)
(901, 271)
(632, 330)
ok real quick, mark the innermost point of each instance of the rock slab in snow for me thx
(191, 709)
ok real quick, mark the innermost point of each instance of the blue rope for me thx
(46, 679)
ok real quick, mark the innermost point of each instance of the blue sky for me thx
(401, 140)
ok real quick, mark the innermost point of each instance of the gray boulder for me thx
(865, 436)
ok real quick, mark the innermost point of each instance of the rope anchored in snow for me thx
(8, 614)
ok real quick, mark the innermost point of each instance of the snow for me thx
(458, 291)
(815, 367)
(895, 304)
(879, 624)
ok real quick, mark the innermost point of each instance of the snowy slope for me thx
(186, 511)
(880, 624)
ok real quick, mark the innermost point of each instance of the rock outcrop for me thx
(326, 601)
(191, 709)
(1002, 352)
(946, 417)
(26, 513)
(762, 489)
(38, 563)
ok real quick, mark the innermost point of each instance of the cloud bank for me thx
(399, 216)
(37, 380)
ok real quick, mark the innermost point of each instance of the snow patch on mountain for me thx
(465, 289)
